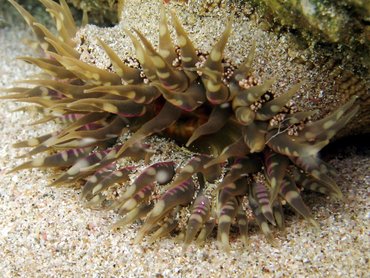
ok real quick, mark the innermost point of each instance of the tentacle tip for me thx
(338, 196)
(355, 97)
(139, 237)
(150, 240)
(207, 165)
(189, 142)
(224, 247)
(272, 222)
(185, 248)
(270, 238)
(245, 241)
(83, 196)
(51, 184)
(11, 171)
(274, 243)
(212, 163)
(314, 224)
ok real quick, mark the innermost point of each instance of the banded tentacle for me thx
(253, 150)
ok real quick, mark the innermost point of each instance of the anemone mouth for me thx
(202, 100)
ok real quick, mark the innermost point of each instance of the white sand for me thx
(46, 232)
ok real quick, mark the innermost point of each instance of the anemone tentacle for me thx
(252, 149)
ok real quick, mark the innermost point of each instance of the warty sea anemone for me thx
(255, 147)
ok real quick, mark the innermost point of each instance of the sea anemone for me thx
(251, 149)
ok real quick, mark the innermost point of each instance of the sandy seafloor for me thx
(46, 231)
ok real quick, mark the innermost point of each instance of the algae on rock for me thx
(100, 12)
(344, 23)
